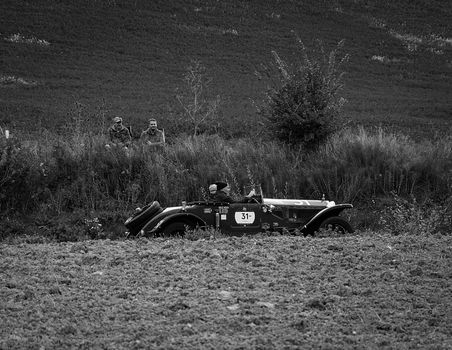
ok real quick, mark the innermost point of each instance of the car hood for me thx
(298, 202)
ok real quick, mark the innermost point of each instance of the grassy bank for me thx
(77, 175)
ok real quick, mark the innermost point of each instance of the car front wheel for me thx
(337, 225)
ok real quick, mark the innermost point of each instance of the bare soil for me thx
(354, 292)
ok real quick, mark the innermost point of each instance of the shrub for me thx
(357, 164)
(12, 228)
(21, 177)
(303, 107)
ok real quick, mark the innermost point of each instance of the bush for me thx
(304, 106)
(357, 164)
(413, 218)
(12, 228)
(21, 177)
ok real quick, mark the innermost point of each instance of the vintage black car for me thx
(260, 214)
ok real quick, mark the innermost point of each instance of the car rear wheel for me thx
(177, 228)
(336, 225)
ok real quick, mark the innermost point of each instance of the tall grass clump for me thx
(356, 164)
(352, 166)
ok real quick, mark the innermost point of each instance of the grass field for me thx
(371, 291)
(128, 58)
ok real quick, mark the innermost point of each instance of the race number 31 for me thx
(244, 217)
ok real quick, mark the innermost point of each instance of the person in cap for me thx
(152, 136)
(119, 134)
(220, 192)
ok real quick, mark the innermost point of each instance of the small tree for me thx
(200, 112)
(303, 106)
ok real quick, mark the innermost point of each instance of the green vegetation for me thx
(61, 175)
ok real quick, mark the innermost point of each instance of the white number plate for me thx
(244, 217)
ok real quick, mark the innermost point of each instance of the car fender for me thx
(324, 214)
(160, 221)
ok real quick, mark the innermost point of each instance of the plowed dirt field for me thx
(355, 292)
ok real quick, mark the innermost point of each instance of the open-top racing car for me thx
(258, 215)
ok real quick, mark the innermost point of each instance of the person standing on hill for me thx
(153, 136)
(119, 134)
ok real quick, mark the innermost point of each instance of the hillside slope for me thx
(118, 57)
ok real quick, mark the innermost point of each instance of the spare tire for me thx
(136, 222)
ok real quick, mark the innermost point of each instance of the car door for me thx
(243, 218)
